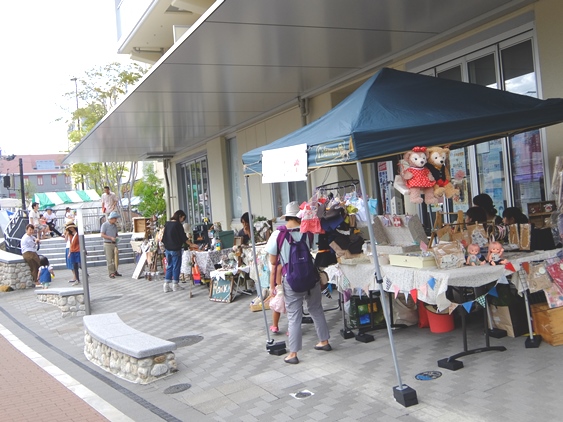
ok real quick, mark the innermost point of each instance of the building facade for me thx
(41, 173)
(243, 75)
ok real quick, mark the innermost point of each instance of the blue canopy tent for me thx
(394, 111)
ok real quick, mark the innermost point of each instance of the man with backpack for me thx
(300, 280)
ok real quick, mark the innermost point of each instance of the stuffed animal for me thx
(417, 177)
(437, 158)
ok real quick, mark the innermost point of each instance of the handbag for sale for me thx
(556, 272)
(538, 277)
(449, 255)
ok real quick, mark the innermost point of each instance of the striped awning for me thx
(51, 199)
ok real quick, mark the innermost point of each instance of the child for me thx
(45, 272)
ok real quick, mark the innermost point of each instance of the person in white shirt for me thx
(34, 216)
(29, 244)
(51, 218)
(109, 202)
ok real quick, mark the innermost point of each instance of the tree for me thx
(98, 91)
(151, 191)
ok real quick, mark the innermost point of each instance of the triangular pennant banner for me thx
(432, 282)
(481, 300)
(503, 280)
(407, 296)
(396, 290)
(493, 291)
(424, 290)
(510, 267)
(414, 294)
(525, 265)
(360, 291)
(452, 307)
(467, 306)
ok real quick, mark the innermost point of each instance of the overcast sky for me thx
(46, 43)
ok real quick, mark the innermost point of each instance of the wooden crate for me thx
(140, 224)
(412, 261)
(548, 323)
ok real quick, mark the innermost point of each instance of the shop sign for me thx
(288, 164)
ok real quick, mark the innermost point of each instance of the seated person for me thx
(50, 219)
(475, 215)
(245, 231)
(513, 215)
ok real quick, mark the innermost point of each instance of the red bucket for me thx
(422, 315)
(439, 322)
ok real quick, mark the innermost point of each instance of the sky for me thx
(46, 43)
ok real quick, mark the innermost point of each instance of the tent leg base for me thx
(405, 396)
(533, 342)
(451, 364)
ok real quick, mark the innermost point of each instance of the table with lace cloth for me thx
(360, 274)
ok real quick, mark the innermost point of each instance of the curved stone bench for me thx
(70, 300)
(126, 352)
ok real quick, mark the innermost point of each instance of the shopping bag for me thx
(538, 277)
(196, 274)
(525, 237)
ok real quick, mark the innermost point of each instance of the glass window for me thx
(235, 172)
(525, 148)
(460, 171)
(491, 171)
(284, 193)
(39, 180)
(482, 71)
(53, 179)
(195, 179)
(68, 180)
(453, 73)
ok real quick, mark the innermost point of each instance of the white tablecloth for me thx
(431, 283)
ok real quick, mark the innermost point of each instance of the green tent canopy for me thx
(52, 199)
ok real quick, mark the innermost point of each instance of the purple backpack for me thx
(300, 271)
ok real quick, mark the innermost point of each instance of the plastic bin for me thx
(439, 322)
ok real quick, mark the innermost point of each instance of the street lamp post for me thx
(75, 80)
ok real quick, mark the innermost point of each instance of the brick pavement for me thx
(29, 393)
(232, 378)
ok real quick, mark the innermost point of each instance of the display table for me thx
(206, 260)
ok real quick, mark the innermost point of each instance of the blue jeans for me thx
(173, 264)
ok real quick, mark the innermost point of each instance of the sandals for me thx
(112, 275)
(274, 329)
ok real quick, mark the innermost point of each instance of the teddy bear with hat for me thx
(437, 158)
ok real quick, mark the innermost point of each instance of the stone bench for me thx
(126, 352)
(70, 300)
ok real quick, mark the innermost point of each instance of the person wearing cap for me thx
(51, 218)
(108, 231)
(73, 255)
(294, 300)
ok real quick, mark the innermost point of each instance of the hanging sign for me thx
(287, 164)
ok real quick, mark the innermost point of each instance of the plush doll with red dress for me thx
(417, 177)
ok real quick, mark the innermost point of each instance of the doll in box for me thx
(474, 256)
(494, 256)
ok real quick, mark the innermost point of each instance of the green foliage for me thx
(98, 91)
(151, 191)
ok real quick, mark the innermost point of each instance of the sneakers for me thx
(117, 274)
(166, 287)
(76, 283)
(176, 287)
(274, 329)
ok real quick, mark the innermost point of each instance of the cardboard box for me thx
(511, 318)
(548, 323)
(412, 260)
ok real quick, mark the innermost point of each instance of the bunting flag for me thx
(468, 305)
(481, 300)
(424, 289)
(407, 296)
(493, 291)
(452, 307)
(396, 290)
(414, 294)
(502, 280)
(510, 267)
(432, 282)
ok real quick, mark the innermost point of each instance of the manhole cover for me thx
(303, 394)
(428, 375)
(178, 388)
(184, 341)
(105, 299)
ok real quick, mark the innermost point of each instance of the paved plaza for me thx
(225, 373)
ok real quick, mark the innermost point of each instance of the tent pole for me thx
(270, 343)
(402, 392)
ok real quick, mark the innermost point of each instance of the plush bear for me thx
(437, 158)
(417, 177)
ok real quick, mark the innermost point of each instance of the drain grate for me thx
(178, 388)
(428, 375)
(184, 341)
(105, 298)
